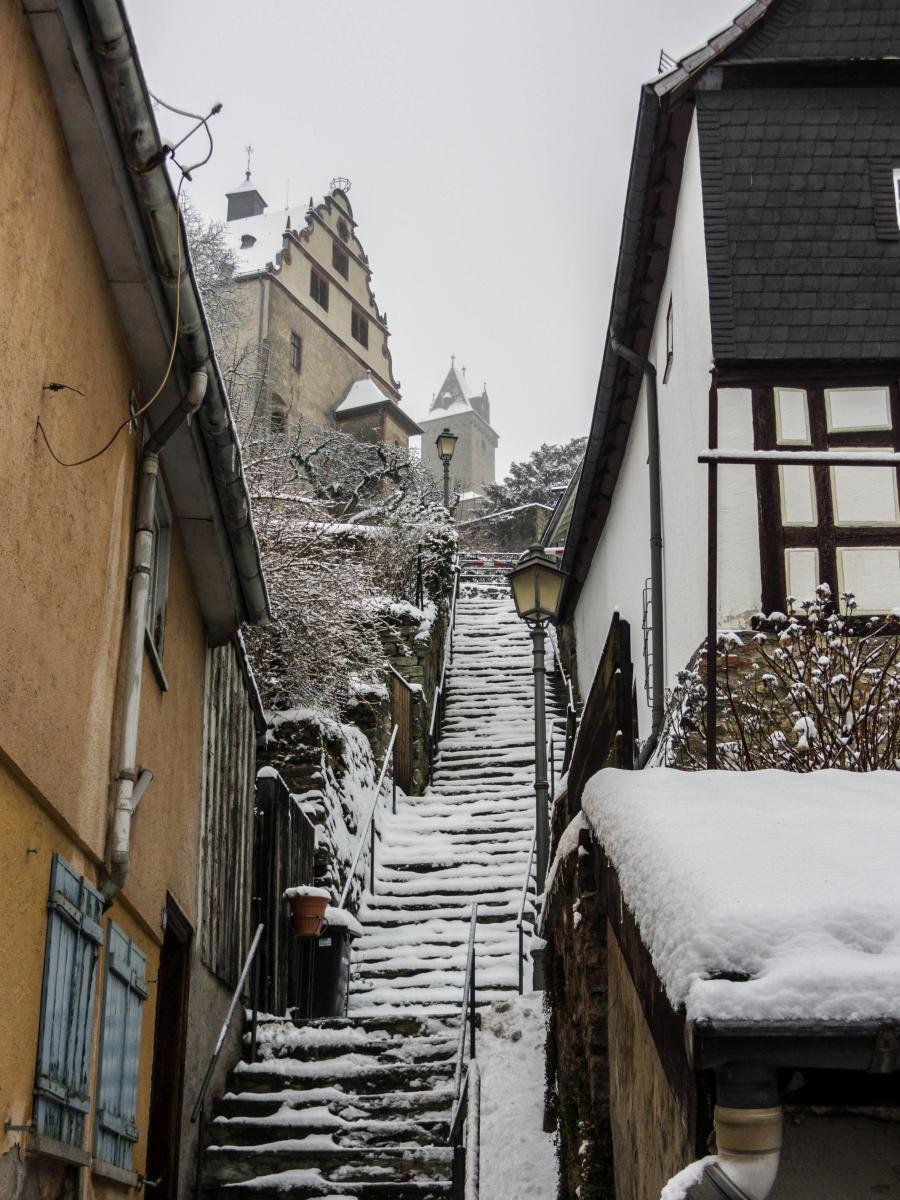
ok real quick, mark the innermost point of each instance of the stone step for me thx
(402, 1162)
(362, 1075)
(289, 1041)
(422, 1106)
(312, 1185)
(348, 1133)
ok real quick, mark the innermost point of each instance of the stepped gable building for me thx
(307, 309)
(467, 413)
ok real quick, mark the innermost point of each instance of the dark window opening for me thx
(340, 260)
(296, 352)
(359, 327)
(277, 421)
(318, 288)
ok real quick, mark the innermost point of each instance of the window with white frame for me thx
(839, 524)
(896, 176)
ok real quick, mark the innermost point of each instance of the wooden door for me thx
(169, 1045)
(401, 709)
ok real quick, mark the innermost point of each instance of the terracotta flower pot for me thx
(308, 914)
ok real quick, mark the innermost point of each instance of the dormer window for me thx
(318, 288)
(340, 260)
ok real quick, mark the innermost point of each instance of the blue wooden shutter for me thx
(74, 936)
(124, 993)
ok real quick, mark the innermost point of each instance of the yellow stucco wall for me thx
(64, 566)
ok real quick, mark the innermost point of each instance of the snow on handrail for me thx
(565, 678)
(364, 828)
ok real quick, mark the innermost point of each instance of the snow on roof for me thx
(790, 879)
(362, 394)
(267, 231)
(471, 496)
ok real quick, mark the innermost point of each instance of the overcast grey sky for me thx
(487, 142)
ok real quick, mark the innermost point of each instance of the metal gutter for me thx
(871, 1047)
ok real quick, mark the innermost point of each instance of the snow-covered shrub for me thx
(814, 687)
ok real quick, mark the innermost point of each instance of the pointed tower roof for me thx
(454, 391)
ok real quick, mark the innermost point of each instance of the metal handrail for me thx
(467, 1155)
(519, 921)
(437, 700)
(466, 1089)
(468, 1008)
(368, 826)
(562, 671)
(254, 945)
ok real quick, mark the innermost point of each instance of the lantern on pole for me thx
(446, 444)
(536, 584)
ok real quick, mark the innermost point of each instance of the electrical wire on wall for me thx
(167, 152)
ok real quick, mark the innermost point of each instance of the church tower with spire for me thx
(465, 411)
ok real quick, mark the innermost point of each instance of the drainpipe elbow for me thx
(190, 402)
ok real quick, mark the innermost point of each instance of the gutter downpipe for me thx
(646, 367)
(748, 1120)
(142, 563)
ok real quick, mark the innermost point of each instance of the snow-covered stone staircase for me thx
(360, 1107)
(467, 839)
(337, 1109)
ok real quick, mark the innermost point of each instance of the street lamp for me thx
(446, 444)
(537, 590)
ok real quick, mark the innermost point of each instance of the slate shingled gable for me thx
(799, 265)
(824, 29)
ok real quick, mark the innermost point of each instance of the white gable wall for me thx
(621, 561)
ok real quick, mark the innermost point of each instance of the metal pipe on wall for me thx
(646, 367)
(141, 568)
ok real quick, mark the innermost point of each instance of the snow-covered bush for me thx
(817, 686)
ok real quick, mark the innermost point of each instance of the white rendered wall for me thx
(621, 561)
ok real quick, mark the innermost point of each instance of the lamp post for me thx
(446, 444)
(537, 590)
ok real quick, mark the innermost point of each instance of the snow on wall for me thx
(621, 562)
(789, 880)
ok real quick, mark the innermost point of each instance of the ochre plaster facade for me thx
(64, 577)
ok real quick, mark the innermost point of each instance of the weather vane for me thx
(249, 150)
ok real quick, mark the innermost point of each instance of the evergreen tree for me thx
(538, 479)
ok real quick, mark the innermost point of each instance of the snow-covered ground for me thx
(763, 895)
(518, 1160)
